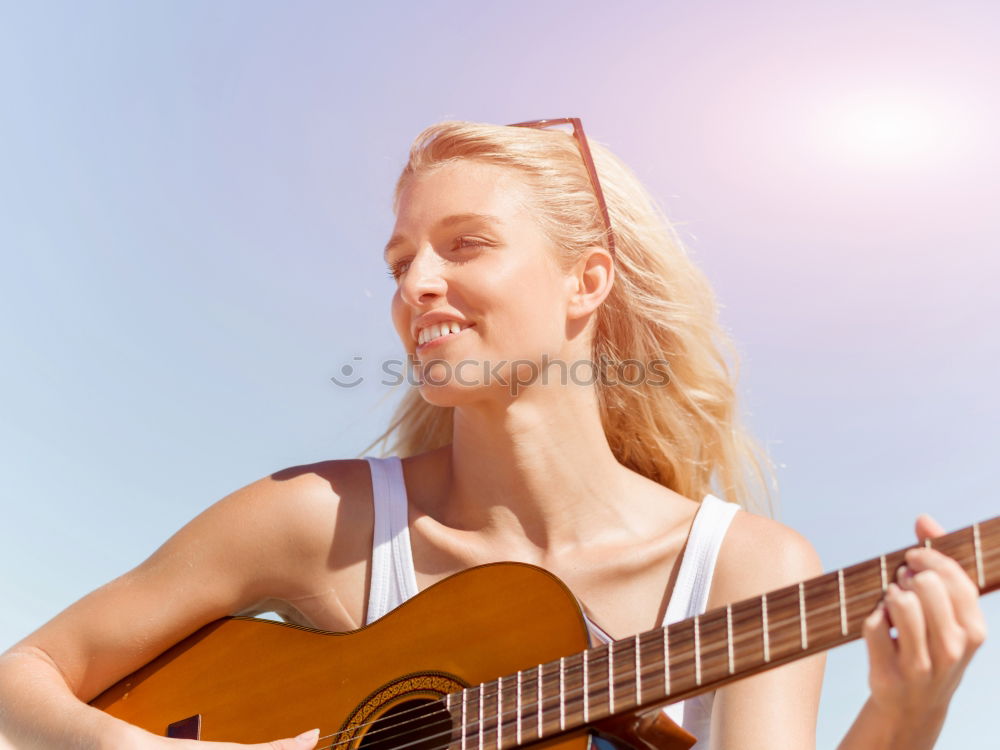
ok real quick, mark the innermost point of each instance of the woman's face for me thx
(478, 286)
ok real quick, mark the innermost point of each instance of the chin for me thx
(452, 394)
(443, 397)
(444, 383)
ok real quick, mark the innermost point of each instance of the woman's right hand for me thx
(305, 741)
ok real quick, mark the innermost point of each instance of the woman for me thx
(509, 275)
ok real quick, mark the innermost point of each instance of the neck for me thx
(537, 466)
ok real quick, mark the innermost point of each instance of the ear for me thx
(589, 282)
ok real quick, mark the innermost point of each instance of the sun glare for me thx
(893, 131)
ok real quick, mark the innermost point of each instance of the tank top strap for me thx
(694, 579)
(597, 633)
(690, 597)
(393, 579)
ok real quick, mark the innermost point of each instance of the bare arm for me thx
(253, 544)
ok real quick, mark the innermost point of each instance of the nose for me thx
(424, 279)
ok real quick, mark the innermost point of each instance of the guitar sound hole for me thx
(418, 724)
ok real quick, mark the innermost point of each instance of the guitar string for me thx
(685, 655)
(682, 655)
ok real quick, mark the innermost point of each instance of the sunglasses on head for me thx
(588, 160)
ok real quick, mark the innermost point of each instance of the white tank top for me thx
(393, 579)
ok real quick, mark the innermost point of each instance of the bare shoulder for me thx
(758, 555)
(276, 537)
(301, 518)
(317, 493)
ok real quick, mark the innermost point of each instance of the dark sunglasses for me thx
(588, 160)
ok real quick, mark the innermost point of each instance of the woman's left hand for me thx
(939, 625)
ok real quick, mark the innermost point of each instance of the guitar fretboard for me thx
(697, 655)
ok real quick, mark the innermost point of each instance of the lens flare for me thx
(892, 130)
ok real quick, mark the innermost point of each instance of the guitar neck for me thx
(701, 654)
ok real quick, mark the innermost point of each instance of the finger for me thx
(881, 649)
(946, 640)
(964, 594)
(922, 558)
(305, 741)
(927, 528)
(907, 616)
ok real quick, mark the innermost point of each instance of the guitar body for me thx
(252, 680)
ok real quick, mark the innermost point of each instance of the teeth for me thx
(437, 330)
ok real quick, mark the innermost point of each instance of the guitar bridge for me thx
(186, 729)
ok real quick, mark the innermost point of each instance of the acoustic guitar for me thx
(499, 657)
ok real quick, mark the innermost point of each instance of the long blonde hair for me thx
(685, 435)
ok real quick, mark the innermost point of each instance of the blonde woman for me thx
(575, 411)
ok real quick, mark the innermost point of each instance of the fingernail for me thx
(312, 734)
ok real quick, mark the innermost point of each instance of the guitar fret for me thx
(539, 691)
(729, 635)
(562, 693)
(802, 616)
(843, 606)
(447, 707)
(499, 712)
(465, 697)
(611, 677)
(666, 662)
(638, 672)
(978, 549)
(767, 636)
(481, 715)
(586, 689)
(519, 707)
(883, 572)
(697, 651)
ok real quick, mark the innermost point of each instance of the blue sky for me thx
(193, 199)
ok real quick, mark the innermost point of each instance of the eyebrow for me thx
(398, 239)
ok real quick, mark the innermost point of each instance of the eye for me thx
(399, 267)
(471, 242)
